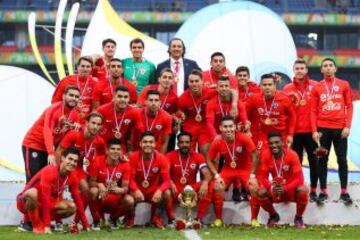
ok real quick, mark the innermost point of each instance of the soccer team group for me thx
(110, 134)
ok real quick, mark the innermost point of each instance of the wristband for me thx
(252, 175)
(216, 176)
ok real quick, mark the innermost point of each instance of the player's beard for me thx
(184, 150)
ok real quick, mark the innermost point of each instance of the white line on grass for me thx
(192, 235)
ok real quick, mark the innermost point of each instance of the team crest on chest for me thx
(286, 167)
(261, 111)
(155, 169)
(127, 121)
(193, 166)
(118, 175)
(275, 105)
(158, 127)
(89, 89)
(336, 88)
(239, 149)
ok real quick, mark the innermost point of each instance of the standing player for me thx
(120, 119)
(101, 63)
(137, 69)
(156, 120)
(246, 86)
(192, 103)
(217, 70)
(225, 103)
(331, 116)
(273, 111)
(240, 163)
(84, 81)
(299, 92)
(42, 198)
(151, 179)
(109, 182)
(104, 90)
(184, 166)
(287, 180)
(39, 143)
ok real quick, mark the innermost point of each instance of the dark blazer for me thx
(189, 65)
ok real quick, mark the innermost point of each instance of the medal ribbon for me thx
(232, 154)
(329, 94)
(119, 124)
(108, 176)
(146, 172)
(223, 113)
(78, 85)
(136, 71)
(268, 112)
(59, 190)
(278, 170)
(147, 123)
(198, 109)
(87, 152)
(162, 104)
(183, 169)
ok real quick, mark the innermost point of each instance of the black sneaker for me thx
(236, 195)
(345, 198)
(113, 224)
(95, 226)
(323, 197)
(244, 196)
(25, 226)
(273, 220)
(313, 197)
(299, 223)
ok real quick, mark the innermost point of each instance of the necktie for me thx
(177, 70)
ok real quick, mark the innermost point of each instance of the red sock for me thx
(267, 205)
(34, 218)
(343, 190)
(120, 211)
(255, 207)
(313, 189)
(218, 201)
(302, 200)
(324, 190)
(236, 184)
(203, 207)
(95, 209)
(85, 200)
(170, 209)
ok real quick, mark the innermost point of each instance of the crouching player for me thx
(42, 198)
(150, 179)
(240, 163)
(184, 165)
(109, 185)
(287, 183)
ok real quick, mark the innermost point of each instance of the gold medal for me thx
(268, 121)
(111, 185)
(302, 102)
(145, 184)
(117, 134)
(86, 162)
(198, 118)
(183, 180)
(233, 164)
(330, 104)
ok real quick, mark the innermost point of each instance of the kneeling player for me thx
(287, 183)
(109, 182)
(42, 198)
(150, 178)
(184, 165)
(240, 163)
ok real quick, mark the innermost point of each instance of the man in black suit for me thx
(180, 66)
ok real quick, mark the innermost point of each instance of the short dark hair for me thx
(113, 141)
(71, 87)
(108, 40)
(242, 69)
(227, 118)
(196, 72)
(152, 92)
(274, 134)
(116, 60)
(137, 40)
(224, 78)
(166, 70)
(328, 59)
(92, 115)
(177, 39)
(267, 75)
(71, 150)
(122, 88)
(147, 133)
(217, 54)
(300, 61)
(85, 58)
(184, 133)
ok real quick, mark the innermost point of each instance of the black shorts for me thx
(35, 160)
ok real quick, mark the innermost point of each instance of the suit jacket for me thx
(189, 65)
